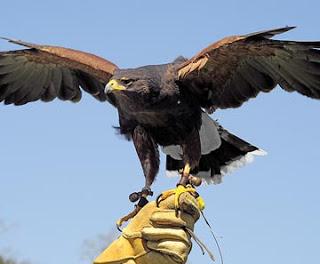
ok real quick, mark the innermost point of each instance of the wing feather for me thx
(7, 89)
(66, 92)
(47, 72)
(231, 71)
(36, 91)
(32, 82)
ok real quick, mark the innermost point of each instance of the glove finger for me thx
(156, 234)
(168, 218)
(177, 249)
(157, 257)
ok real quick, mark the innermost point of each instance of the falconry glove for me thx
(156, 234)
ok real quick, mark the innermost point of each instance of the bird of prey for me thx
(168, 105)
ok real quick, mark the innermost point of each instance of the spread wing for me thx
(235, 69)
(47, 72)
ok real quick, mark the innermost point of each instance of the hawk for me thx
(168, 105)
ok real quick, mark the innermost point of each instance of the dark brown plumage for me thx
(47, 72)
(243, 66)
(164, 104)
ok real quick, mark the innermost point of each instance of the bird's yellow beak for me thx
(114, 85)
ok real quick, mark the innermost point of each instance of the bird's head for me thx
(140, 80)
(115, 85)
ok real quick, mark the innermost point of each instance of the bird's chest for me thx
(168, 121)
(152, 110)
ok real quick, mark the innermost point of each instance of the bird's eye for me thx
(127, 81)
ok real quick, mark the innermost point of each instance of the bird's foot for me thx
(142, 202)
(177, 193)
(145, 192)
(127, 217)
(134, 197)
(180, 190)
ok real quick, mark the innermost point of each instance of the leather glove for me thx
(156, 234)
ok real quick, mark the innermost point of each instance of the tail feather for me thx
(231, 154)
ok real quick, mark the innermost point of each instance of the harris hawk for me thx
(169, 105)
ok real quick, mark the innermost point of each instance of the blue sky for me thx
(65, 174)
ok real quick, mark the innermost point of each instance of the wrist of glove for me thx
(156, 234)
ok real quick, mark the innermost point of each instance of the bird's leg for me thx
(184, 180)
(183, 185)
(148, 154)
(191, 156)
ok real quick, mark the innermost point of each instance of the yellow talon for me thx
(180, 190)
(177, 192)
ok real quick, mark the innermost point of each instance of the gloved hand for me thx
(156, 234)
